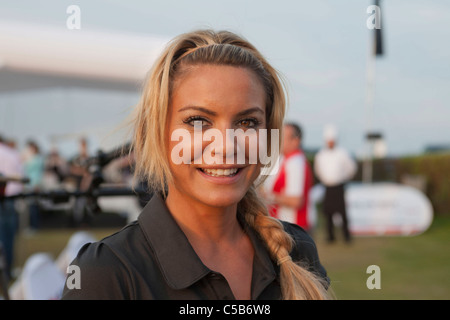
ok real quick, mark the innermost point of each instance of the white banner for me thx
(385, 209)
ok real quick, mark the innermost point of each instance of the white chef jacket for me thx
(334, 166)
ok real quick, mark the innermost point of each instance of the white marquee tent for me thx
(37, 56)
(57, 84)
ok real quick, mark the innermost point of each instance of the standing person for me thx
(334, 167)
(34, 171)
(205, 234)
(288, 192)
(10, 166)
(79, 170)
(56, 166)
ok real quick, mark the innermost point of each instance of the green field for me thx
(415, 267)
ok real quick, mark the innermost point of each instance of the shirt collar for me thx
(178, 261)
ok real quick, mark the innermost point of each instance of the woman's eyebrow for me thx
(249, 111)
(205, 110)
(213, 113)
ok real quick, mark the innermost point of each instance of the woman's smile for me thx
(220, 172)
(221, 175)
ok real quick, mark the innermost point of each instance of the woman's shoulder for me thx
(104, 266)
(300, 236)
(305, 250)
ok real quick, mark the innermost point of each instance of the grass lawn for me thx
(415, 267)
(51, 241)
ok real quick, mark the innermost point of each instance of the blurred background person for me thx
(287, 192)
(56, 169)
(34, 171)
(10, 166)
(78, 168)
(333, 167)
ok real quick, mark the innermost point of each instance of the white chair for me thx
(76, 241)
(41, 278)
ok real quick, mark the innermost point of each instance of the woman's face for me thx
(219, 98)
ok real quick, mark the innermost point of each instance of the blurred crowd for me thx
(32, 176)
(51, 171)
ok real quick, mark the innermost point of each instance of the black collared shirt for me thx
(151, 258)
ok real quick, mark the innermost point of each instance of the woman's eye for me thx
(196, 121)
(249, 123)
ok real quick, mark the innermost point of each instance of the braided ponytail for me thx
(297, 283)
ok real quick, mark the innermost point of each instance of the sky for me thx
(320, 47)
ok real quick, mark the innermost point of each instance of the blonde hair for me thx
(218, 48)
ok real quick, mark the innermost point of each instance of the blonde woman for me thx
(205, 234)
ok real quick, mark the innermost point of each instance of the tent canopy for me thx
(38, 56)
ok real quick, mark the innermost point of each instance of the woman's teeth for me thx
(220, 172)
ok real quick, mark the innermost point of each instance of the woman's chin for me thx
(221, 199)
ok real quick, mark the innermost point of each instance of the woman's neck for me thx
(218, 239)
(201, 222)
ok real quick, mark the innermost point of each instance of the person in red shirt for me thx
(287, 192)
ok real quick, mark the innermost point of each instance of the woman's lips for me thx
(221, 176)
(220, 172)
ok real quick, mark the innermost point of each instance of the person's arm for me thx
(317, 166)
(350, 166)
(288, 201)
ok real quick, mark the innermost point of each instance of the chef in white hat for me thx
(334, 166)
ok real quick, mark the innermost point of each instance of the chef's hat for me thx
(330, 133)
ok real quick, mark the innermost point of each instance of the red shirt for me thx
(294, 179)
